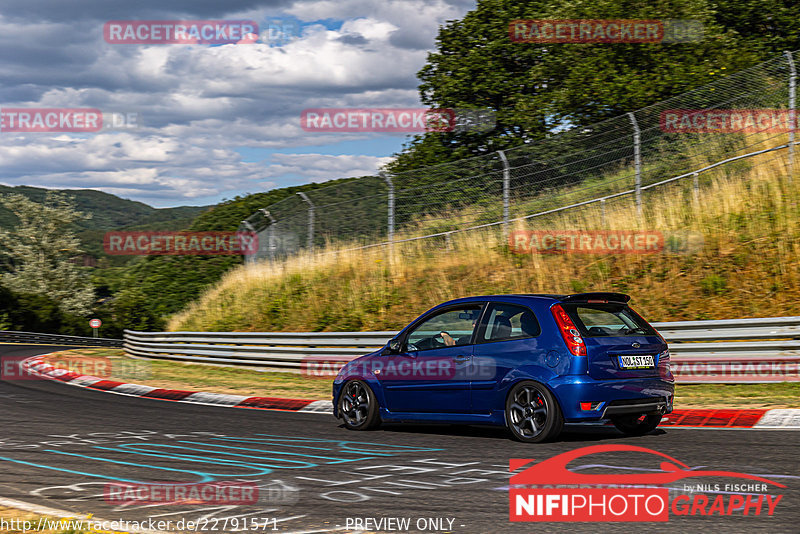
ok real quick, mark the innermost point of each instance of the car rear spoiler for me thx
(598, 297)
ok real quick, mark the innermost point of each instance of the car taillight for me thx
(664, 368)
(572, 337)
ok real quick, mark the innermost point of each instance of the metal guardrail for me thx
(8, 336)
(282, 350)
(726, 351)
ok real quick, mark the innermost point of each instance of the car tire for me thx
(532, 413)
(636, 424)
(358, 406)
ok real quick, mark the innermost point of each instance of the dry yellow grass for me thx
(748, 266)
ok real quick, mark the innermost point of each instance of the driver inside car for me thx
(450, 341)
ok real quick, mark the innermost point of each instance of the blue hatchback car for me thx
(527, 362)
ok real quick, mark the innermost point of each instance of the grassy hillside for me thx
(749, 265)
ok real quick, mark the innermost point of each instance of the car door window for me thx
(508, 321)
(450, 328)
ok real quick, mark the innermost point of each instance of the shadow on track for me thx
(570, 434)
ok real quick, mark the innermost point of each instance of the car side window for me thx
(450, 328)
(507, 321)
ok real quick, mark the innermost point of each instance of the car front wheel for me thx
(358, 406)
(532, 413)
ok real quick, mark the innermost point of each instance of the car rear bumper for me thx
(607, 398)
(657, 405)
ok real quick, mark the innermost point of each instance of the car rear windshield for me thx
(607, 320)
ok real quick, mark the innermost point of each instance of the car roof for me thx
(506, 296)
(573, 297)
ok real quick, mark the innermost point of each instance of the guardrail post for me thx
(270, 233)
(792, 110)
(506, 190)
(696, 186)
(637, 162)
(310, 245)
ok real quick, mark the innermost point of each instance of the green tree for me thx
(39, 313)
(535, 88)
(132, 310)
(769, 26)
(39, 249)
(8, 309)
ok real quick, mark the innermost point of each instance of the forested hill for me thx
(109, 212)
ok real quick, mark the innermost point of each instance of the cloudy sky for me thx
(213, 121)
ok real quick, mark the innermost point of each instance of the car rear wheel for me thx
(358, 406)
(636, 424)
(532, 413)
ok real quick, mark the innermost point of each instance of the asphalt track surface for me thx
(60, 446)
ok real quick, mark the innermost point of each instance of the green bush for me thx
(713, 284)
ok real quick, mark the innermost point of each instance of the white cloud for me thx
(199, 106)
(321, 167)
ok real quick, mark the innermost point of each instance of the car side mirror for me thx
(395, 346)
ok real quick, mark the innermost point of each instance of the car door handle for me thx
(461, 359)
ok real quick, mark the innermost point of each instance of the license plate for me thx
(637, 362)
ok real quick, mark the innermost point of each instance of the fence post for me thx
(792, 111)
(249, 227)
(603, 214)
(696, 186)
(270, 233)
(637, 161)
(506, 190)
(390, 214)
(310, 245)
